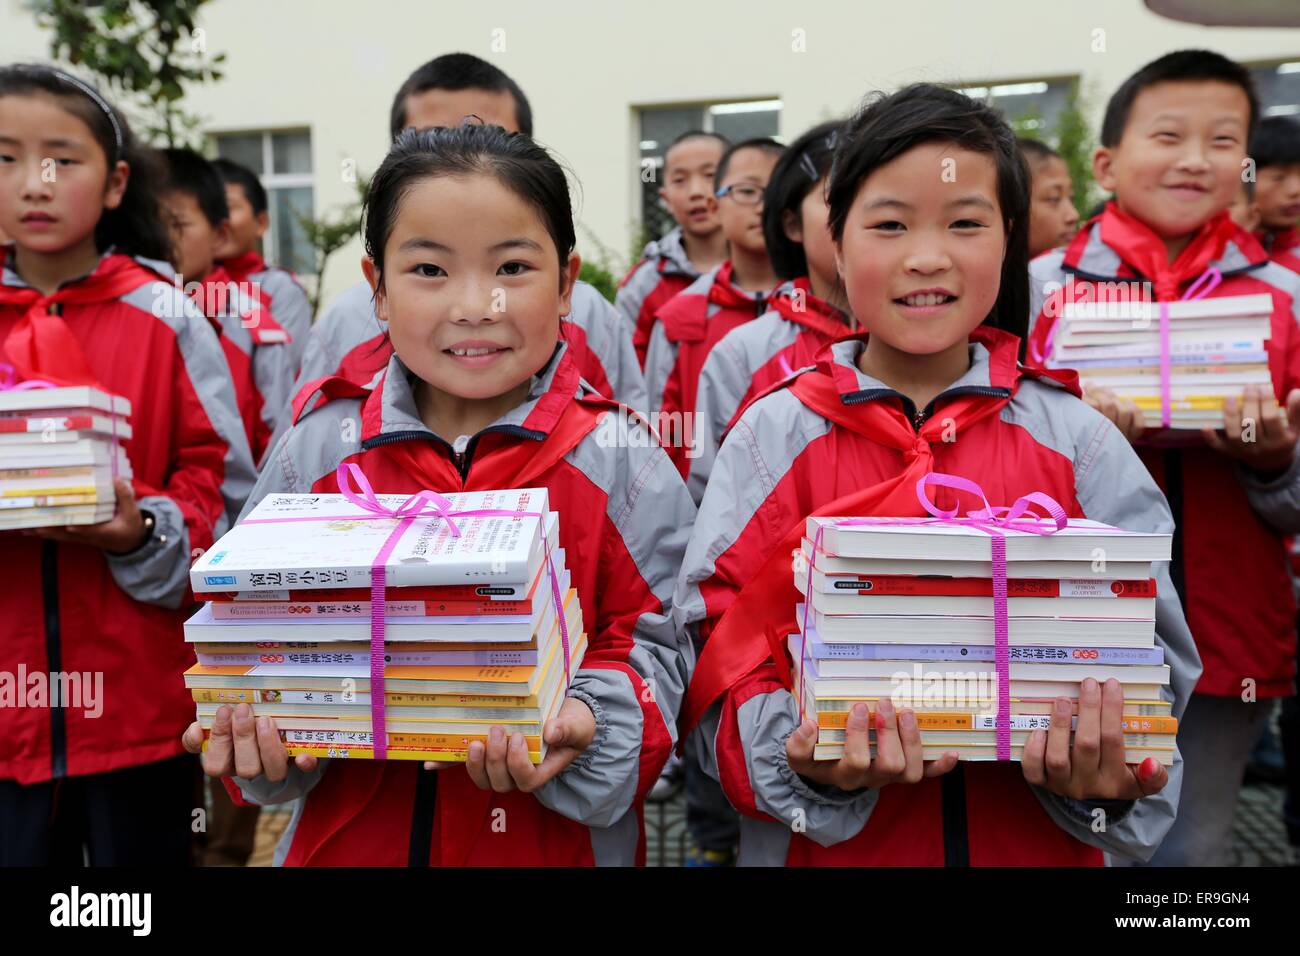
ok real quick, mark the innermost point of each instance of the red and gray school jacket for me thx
(663, 270)
(1230, 560)
(1283, 247)
(685, 331)
(257, 351)
(349, 341)
(624, 518)
(749, 360)
(282, 293)
(834, 436)
(72, 609)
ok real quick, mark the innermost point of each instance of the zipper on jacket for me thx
(760, 304)
(54, 656)
(919, 418)
(425, 799)
(952, 798)
(420, 844)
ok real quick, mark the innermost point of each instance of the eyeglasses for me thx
(743, 194)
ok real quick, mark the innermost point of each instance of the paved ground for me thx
(1259, 837)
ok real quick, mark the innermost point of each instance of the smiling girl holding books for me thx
(470, 241)
(929, 215)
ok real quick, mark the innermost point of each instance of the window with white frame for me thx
(1279, 87)
(1031, 107)
(661, 125)
(282, 161)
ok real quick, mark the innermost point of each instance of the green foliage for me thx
(1075, 143)
(145, 51)
(328, 234)
(600, 270)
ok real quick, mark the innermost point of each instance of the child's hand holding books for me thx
(1256, 431)
(244, 746)
(898, 747)
(503, 765)
(1094, 768)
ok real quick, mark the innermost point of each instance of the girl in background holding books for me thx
(929, 214)
(458, 223)
(82, 304)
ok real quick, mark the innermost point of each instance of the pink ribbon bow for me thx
(422, 504)
(992, 521)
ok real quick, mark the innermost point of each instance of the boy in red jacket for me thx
(238, 255)
(1275, 149)
(1173, 147)
(671, 263)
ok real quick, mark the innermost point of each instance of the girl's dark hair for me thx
(887, 127)
(517, 162)
(135, 227)
(801, 167)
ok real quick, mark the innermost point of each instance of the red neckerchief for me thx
(1284, 240)
(242, 266)
(1144, 251)
(213, 297)
(753, 629)
(40, 345)
(722, 292)
(816, 314)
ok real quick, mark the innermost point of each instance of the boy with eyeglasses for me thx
(725, 297)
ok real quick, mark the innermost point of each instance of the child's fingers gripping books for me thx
(1256, 431)
(241, 745)
(503, 765)
(1094, 768)
(898, 751)
(119, 535)
(1124, 412)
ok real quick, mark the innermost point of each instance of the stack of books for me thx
(472, 625)
(1216, 348)
(58, 451)
(905, 611)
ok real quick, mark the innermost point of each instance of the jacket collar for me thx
(1117, 247)
(670, 254)
(9, 275)
(390, 412)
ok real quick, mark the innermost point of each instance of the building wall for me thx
(587, 66)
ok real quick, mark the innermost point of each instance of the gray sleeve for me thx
(273, 376)
(158, 572)
(297, 784)
(1114, 486)
(636, 719)
(1277, 500)
(826, 815)
(660, 357)
(631, 295)
(291, 308)
(612, 345)
(722, 385)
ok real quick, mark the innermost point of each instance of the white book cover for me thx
(63, 400)
(1080, 541)
(30, 429)
(1228, 307)
(337, 542)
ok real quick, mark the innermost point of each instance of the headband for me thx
(98, 100)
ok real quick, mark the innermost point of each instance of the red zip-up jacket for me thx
(257, 351)
(76, 609)
(624, 518)
(1283, 247)
(834, 441)
(751, 359)
(685, 331)
(282, 294)
(1230, 561)
(663, 271)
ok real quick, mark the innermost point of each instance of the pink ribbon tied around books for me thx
(422, 504)
(1210, 279)
(10, 383)
(1205, 283)
(993, 522)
